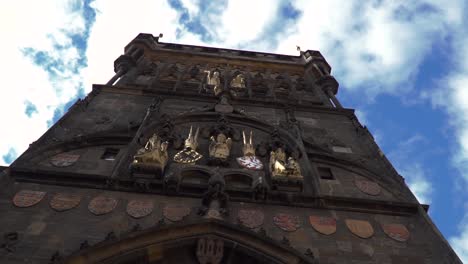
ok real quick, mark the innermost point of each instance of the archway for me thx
(209, 241)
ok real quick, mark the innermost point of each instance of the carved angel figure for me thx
(220, 147)
(238, 81)
(213, 80)
(154, 152)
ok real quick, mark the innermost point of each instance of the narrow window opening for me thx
(110, 154)
(325, 173)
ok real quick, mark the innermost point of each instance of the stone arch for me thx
(177, 243)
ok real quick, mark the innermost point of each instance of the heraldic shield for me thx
(64, 201)
(322, 224)
(64, 159)
(26, 198)
(368, 187)
(360, 228)
(139, 208)
(250, 218)
(250, 162)
(102, 205)
(396, 231)
(286, 222)
(176, 213)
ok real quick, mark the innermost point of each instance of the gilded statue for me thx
(214, 80)
(282, 168)
(248, 148)
(249, 160)
(238, 81)
(154, 153)
(220, 147)
(189, 154)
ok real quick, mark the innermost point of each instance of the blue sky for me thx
(403, 65)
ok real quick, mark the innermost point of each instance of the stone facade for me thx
(204, 155)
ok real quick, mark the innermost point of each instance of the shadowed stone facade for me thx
(203, 155)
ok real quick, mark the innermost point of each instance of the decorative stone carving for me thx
(64, 201)
(140, 208)
(176, 213)
(153, 155)
(360, 228)
(368, 187)
(102, 205)
(189, 154)
(220, 147)
(249, 160)
(215, 192)
(322, 224)
(64, 159)
(287, 222)
(282, 169)
(210, 250)
(238, 81)
(398, 232)
(26, 198)
(213, 80)
(250, 218)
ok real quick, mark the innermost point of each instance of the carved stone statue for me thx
(214, 81)
(238, 81)
(189, 154)
(153, 156)
(283, 169)
(220, 147)
(154, 151)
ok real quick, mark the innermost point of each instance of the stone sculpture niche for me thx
(213, 81)
(152, 158)
(284, 171)
(189, 154)
(219, 149)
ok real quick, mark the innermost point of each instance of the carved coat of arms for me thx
(396, 231)
(360, 228)
(64, 159)
(64, 201)
(322, 224)
(286, 222)
(102, 205)
(250, 162)
(369, 187)
(176, 213)
(250, 218)
(26, 198)
(140, 208)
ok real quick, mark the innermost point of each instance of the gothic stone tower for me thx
(203, 155)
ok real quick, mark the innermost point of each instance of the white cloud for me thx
(371, 48)
(117, 23)
(22, 81)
